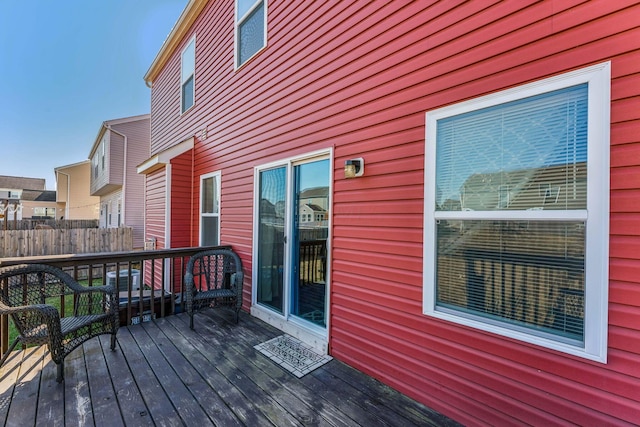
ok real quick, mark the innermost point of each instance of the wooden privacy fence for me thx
(32, 224)
(21, 243)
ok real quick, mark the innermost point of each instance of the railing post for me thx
(4, 331)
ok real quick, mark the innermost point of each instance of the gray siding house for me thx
(121, 145)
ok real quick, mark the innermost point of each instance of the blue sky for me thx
(65, 67)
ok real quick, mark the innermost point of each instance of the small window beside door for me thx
(210, 209)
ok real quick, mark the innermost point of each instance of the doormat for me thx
(292, 354)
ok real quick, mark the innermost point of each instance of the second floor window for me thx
(103, 154)
(251, 25)
(188, 73)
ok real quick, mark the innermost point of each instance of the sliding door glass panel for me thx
(271, 237)
(309, 258)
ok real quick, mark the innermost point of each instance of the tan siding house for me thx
(22, 197)
(120, 146)
(73, 198)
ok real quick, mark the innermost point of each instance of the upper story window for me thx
(516, 212)
(210, 209)
(251, 28)
(103, 152)
(188, 75)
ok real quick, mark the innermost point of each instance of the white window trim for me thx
(192, 40)
(218, 176)
(238, 21)
(597, 213)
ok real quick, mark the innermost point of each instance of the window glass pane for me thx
(209, 231)
(187, 94)
(188, 61)
(244, 6)
(209, 195)
(527, 274)
(251, 35)
(271, 238)
(526, 154)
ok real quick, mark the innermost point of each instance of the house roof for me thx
(314, 207)
(107, 125)
(315, 192)
(38, 196)
(72, 165)
(22, 183)
(187, 18)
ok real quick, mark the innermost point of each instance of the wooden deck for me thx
(165, 374)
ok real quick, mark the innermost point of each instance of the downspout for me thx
(193, 161)
(123, 204)
(66, 205)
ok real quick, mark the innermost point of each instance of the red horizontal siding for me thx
(182, 198)
(359, 77)
(155, 207)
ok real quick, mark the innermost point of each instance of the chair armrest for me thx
(236, 280)
(48, 314)
(46, 310)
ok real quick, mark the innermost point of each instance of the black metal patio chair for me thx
(28, 292)
(213, 278)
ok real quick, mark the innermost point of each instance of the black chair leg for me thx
(113, 342)
(60, 377)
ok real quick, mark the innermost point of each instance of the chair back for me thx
(31, 284)
(215, 269)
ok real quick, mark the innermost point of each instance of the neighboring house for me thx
(120, 146)
(499, 303)
(38, 204)
(19, 196)
(73, 192)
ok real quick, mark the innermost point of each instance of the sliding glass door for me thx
(292, 233)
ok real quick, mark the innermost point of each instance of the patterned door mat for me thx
(292, 354)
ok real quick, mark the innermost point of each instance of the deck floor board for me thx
(163, 373)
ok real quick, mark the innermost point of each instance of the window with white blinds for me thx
(516, 212)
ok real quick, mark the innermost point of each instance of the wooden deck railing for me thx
(149, 282)
(312, 260)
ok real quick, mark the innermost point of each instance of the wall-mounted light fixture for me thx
(354, 168)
